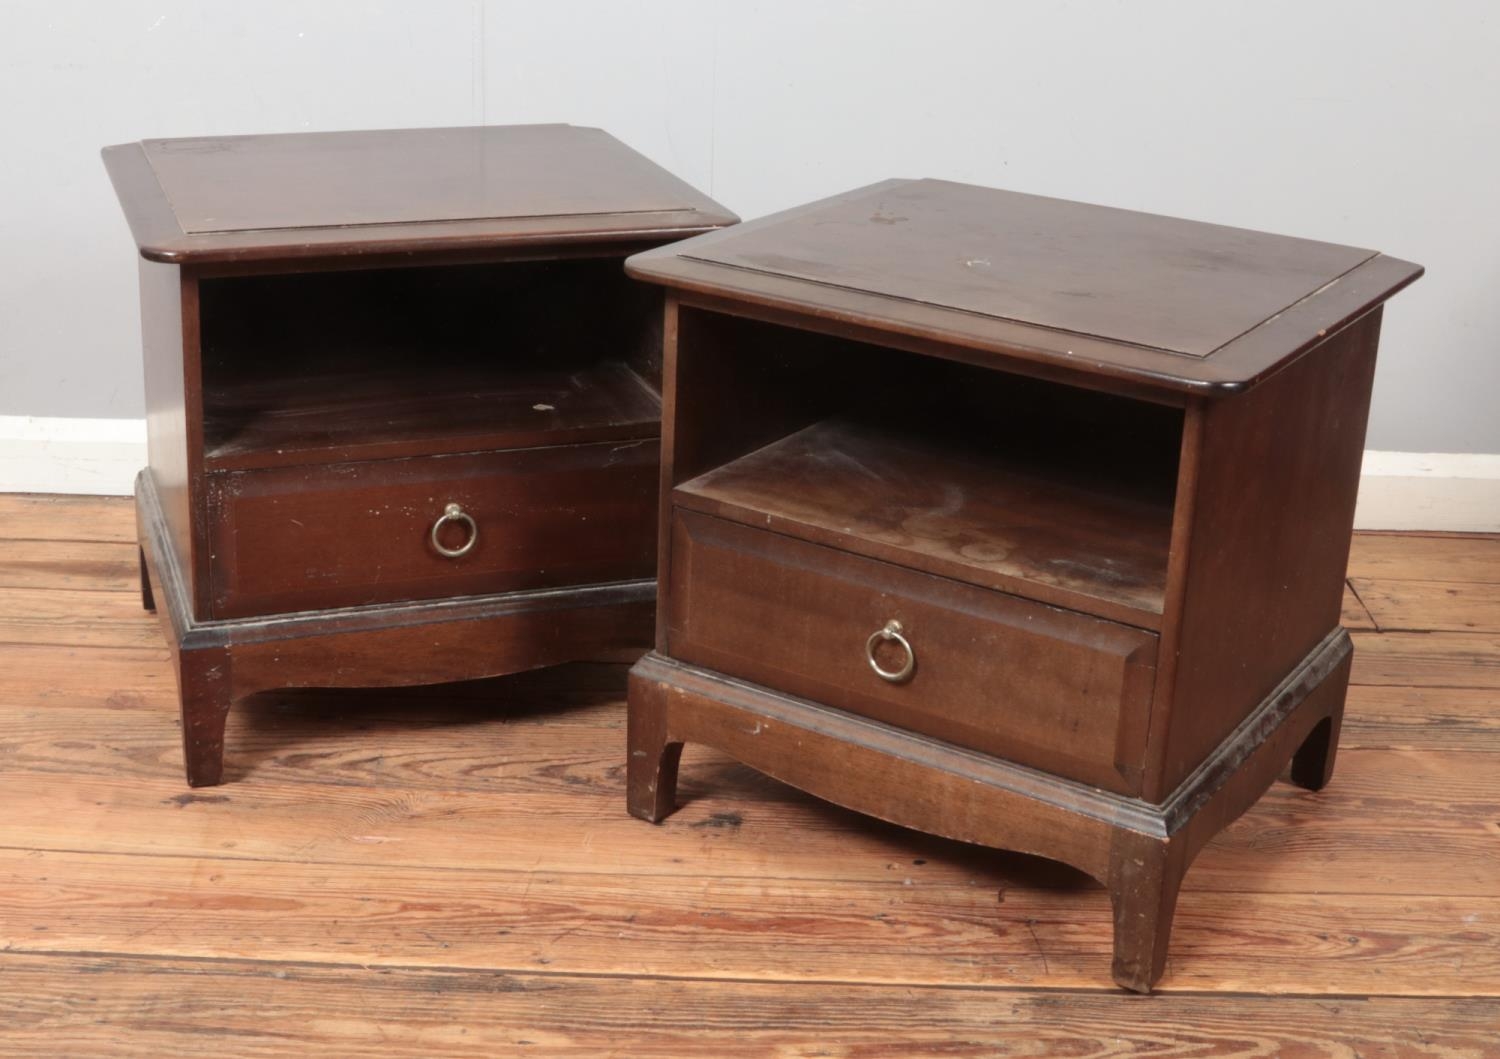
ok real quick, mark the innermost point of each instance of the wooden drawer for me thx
(338, 535)
(1054, 689)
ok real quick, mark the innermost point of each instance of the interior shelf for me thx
(1090, 535)
(320, 367)
(359, 413)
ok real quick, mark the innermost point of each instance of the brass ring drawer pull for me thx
(454, 513)
(892, 631)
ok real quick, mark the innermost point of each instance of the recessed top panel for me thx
(244, 183)
(300, 194)
(1156, 282)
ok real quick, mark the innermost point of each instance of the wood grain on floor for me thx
(451, 871)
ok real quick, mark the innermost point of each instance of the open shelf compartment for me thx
(1060, 495)
(341, 366)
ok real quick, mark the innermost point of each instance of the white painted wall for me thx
(1375, 123)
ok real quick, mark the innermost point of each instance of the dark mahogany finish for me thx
(1097, 467)
(345, 334)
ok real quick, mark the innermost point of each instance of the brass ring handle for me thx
(892, 631)
(454, 513)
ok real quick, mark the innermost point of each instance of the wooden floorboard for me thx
(450, 871)
(96, 565)
(553, 801)
(901, 929)
(149, 1007)
(70, 617)
(1471, 559)
(1395, 717)
(1427, 659)
(1431, 606)
(26, 517)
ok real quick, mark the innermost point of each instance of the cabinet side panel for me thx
(169, 317)
(1264, 555)
(666, 478)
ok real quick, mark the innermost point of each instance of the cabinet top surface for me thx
(1159, 300)
(233, 197)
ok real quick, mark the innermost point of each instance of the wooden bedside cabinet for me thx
(402, 404)
(1014, 520)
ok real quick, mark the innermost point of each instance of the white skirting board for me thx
(1456, 492)
(63, 455)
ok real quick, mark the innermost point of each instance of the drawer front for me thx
(340, 535)
(1060, 691)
